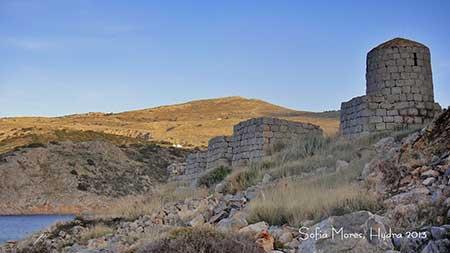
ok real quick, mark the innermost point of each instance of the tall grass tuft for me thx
(294, 201)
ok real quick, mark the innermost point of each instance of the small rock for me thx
(430, 248)
(220, 188)
(430, 173)
(231, 225)
(265, 241)
(293, 244)
(447, 172)
(251, 194)
(438, 233)
(255, 228)
(285, 238)
(341, 165)
(197, 221)
(266, 179)
(429, 181)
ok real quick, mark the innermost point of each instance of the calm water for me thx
(18, 227)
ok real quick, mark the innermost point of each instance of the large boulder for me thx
(354, 232)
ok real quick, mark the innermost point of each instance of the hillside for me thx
(190, 124)
(389, 191)
(72, 177)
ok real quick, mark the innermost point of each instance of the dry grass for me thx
(304, 156)
(95, 232)
(202, 239)
(301, 193)
(132, 207)
(293, 202)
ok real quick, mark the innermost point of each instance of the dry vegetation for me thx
(95, 232)
(202, 239)
(295, 201)
(302, 193)
(189, 124)
(131, 207)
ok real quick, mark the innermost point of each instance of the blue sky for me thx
(63, 57)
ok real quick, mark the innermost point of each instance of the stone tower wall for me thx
(399, 90)
(402, 71)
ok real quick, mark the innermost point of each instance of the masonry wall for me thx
(196, 163)
(250, 141)
(220, 152)
(354, 116)
(401, 70)
(253, 138)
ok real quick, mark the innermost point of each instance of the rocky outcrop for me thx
(72, 177)
(355, 232)
(412, 176)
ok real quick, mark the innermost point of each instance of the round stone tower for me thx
(399, 90)
(400, 69)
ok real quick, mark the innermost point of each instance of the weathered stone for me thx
(394, 86)
(341, 165)
(197, 221)
(255, 228)
(231, 225)
(429, 181)
(360, 224)
(265, 241)
(266, 179)
(430, 173)
(438, 233)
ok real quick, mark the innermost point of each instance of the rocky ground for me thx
(409, 175)
(72, 177)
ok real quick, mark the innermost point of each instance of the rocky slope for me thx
(410, 175)
(72, 177)
(189, 124)
(412, 178)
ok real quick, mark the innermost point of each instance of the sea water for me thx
(13, 228)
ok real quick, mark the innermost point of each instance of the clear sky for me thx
(62, 57)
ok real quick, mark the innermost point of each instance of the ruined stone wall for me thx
(250, 141)
(195, 163)
(220, 152)
(354, 116)
(399, 90)
(253, 138)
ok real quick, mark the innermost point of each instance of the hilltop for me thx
(190, 124)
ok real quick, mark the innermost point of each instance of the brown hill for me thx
(189, 124)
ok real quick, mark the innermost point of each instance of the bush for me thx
(242, 179)
(205, 240)
(214, 176)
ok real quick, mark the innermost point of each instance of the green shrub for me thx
(214, 176)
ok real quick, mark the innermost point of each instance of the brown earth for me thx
(70, 177)
(189, 124)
